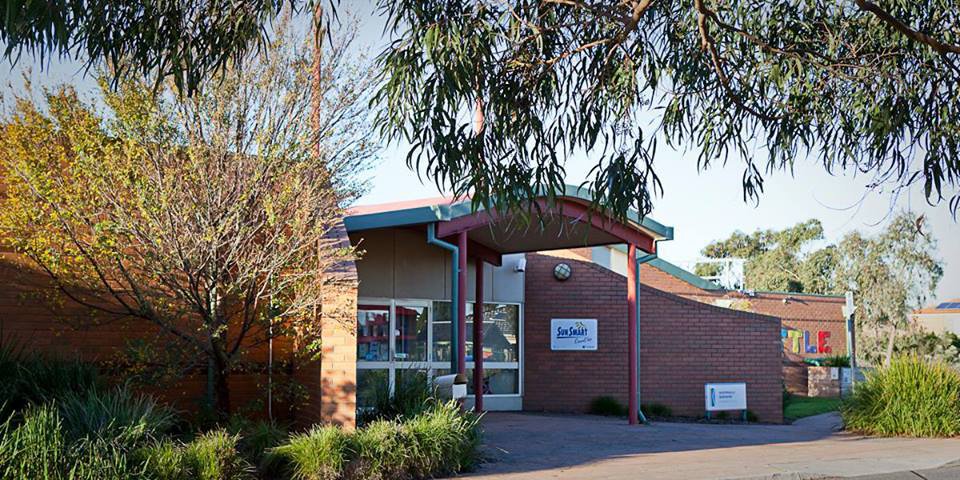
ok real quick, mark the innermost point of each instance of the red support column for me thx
(462, 308)
(632, 332)
(478, 338)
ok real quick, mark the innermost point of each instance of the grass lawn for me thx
(799, 407)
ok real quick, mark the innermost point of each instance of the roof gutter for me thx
(454, 289)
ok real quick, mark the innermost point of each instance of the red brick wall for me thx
(32, 317)
(684, 344)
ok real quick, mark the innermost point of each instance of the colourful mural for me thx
(800, 341)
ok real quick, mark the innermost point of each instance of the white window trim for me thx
(430, 365)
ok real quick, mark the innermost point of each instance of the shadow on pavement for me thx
(525, 442)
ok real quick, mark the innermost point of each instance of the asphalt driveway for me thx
(528, 446)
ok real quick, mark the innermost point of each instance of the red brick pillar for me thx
(331, 380)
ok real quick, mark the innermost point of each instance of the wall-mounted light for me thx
(520, 266)
(562, 271)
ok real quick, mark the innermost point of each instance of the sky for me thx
(701, 206)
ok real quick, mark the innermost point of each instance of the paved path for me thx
(946, 472)
(533, 446)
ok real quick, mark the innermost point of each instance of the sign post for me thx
(725, 396)
(848, 311)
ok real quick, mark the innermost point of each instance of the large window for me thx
(501, 346)
(398, 339)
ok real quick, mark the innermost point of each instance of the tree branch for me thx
(941, 47)
(708, 44)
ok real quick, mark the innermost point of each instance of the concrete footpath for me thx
(534, 446)
(947, 472)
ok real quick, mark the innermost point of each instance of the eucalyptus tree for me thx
(493, 96)
(852, 84)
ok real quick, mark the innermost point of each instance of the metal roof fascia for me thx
(397, 218)
(433, 213)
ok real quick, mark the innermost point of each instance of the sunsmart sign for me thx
(725, 396)
(573, 334)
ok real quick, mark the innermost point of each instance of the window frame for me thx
(431, 365)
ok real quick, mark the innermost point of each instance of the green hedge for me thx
(911, 397)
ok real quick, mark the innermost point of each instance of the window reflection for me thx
(373, 333)
(501, 327)
(411, 339)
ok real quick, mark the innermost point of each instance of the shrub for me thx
(256, 437)
(656, 410)
(842, 361)
(214, 456)
(607, 406)
(34, 449)
(910, 397)
(440, 441)
(381, 451)
(38, 448)
(320, 454)
(412, 395)
(117, 414)
(28, 378)
(445, 440)
(163, 460)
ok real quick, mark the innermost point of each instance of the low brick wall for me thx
(823, 381)
(683, 345)
(795, 378)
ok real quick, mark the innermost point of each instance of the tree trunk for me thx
(221, 387)
(890, 342)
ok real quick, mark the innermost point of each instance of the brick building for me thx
(424, 266)
(813, 325)
(683, 344)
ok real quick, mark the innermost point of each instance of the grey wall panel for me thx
(399, 263)
(375, 268)
(420, 268)
(508, 283)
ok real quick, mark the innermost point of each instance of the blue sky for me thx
(702, 206)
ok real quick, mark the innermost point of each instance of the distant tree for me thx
(890, 274)
(210, 216)
(778, 260)
(855, 84)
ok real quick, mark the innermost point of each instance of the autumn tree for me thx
(212, 217)
(493, 97)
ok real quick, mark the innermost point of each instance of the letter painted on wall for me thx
(822, 337)
(801, 342)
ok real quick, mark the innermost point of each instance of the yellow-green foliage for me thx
(911, 397)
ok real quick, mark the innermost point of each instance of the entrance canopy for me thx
(566, 221)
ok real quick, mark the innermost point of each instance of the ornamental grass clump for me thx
(320, 454)
(439, 441)
(911, 397)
